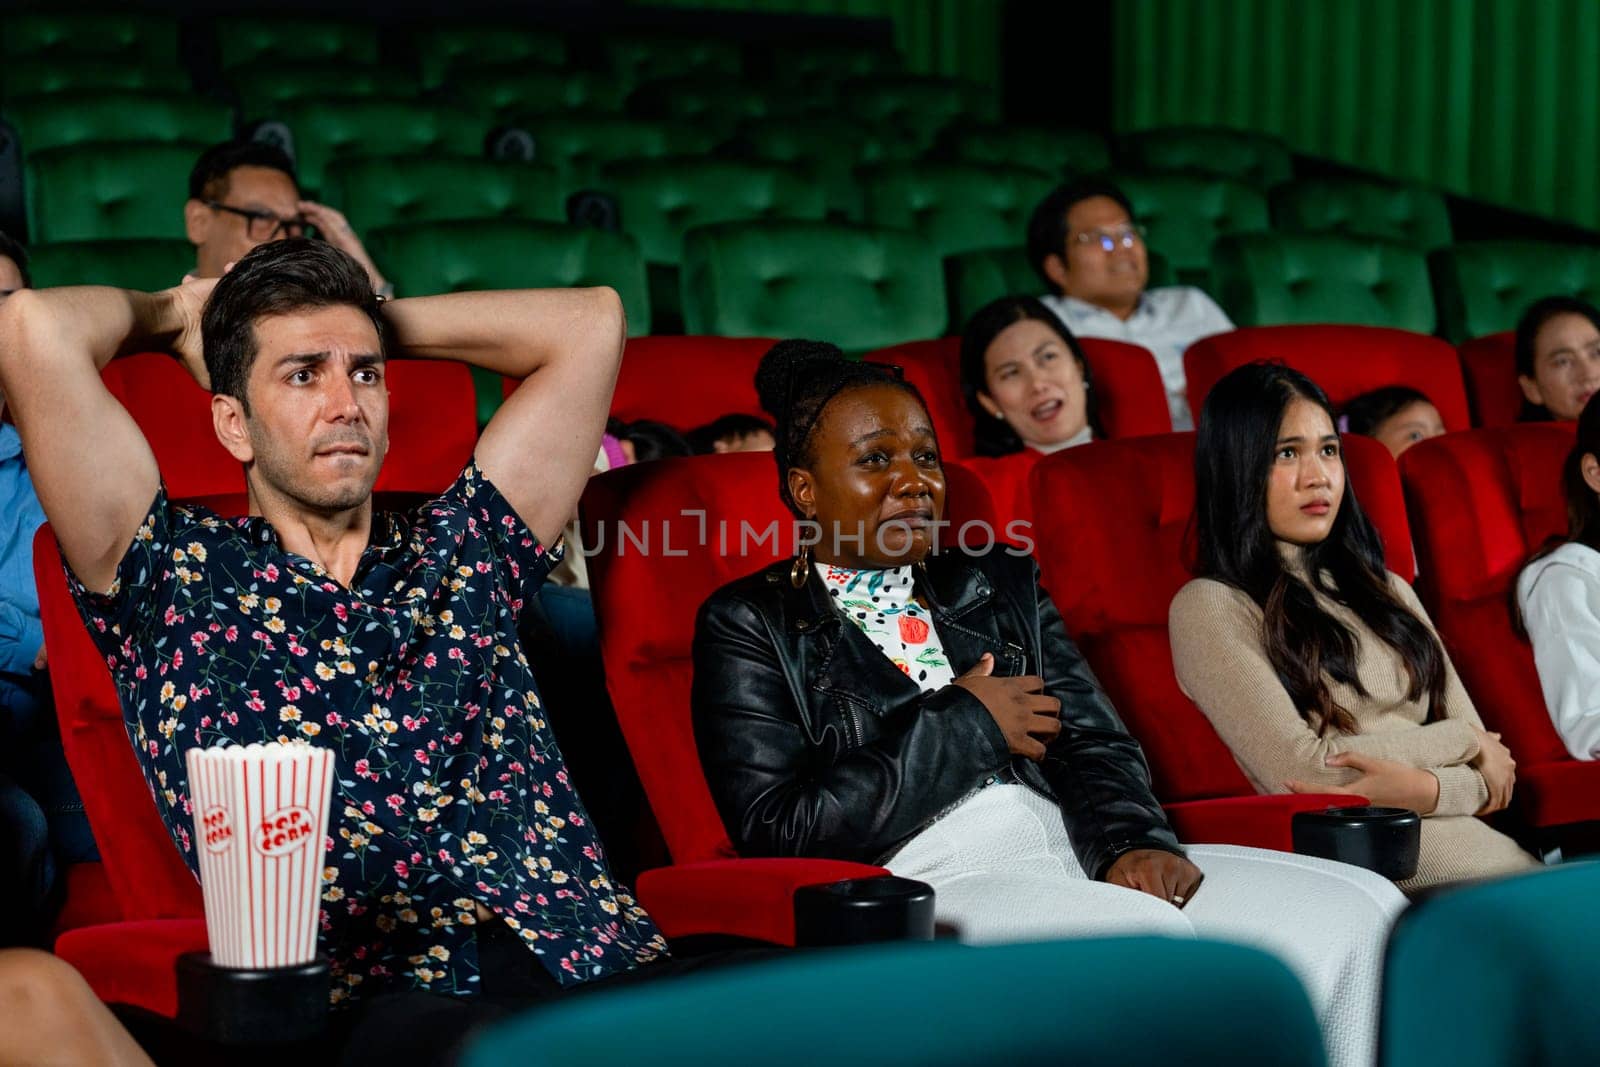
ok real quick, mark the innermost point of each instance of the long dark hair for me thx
(1533, 319)
(1583, 503)
(992, 436)
(1306, 646)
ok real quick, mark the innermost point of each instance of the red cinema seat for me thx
(1482, 502)
(1345, 360)
(174, 414)
(1113, 552)
(433, 426)
(1490, 366)
(687, 382)
(668, 534)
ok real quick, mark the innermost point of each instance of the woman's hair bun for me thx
(786, 362)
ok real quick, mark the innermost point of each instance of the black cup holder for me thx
(252, 1007)
(1384, 840)
(859, 910)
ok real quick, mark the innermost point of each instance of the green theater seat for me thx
(716, 103)
(107, 36)
(147, 265)
(30, 77)
(955, 207)
(861, 288)
(1257, 158)
(579, 146)
(97, 191)
(327, 128)
(263, 88)
(1044, 148)
(251, 39)
(662, 199)
(53, 120)
(512, 91)
(1272, 279)
(804, 64)
(1484, 286)
(636, 59)
(1184, 214)
(826, 150)
(1498, 973)
(1389, 211)
(913, 111)
(404, 190)
(1128, 1001)
(446, 50)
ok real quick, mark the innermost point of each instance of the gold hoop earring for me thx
(802, 567)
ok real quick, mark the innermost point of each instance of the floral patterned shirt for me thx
(450, 789)
(882, 604)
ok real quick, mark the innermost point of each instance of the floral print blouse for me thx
(882, 604)
(450, 789)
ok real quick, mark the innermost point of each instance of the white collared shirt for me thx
(1167, 321)
(1559, 597)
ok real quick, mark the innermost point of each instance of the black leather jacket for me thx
(815, 744)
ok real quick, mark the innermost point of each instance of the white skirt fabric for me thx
(1003, 870)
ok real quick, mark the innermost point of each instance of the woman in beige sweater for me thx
(1319, 669)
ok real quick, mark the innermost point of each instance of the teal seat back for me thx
(955, 207)
(813, 65)
(827, 150)
(288, 38)
(264, 87)
(143, 264)
(1134, 1001)
(445, 50)
(1274, 279)
(98, 191)
(1043, 148)
(404, 190)
(1390, 211)
(1498, 973)
(511, 92)
(1184, 214)
(634, 59)
(1256, 158)
(33, 77)
(718, 104)
(1483, 287)
(52, 120)
(912, 111)
(110, 37)
(861, 288)
(578, 147)
(973, 279)
(328, 128)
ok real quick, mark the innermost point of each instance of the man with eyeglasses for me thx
(243, 194)
(1085, 245)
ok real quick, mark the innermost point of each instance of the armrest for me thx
(751, 898)
(1258, 821)
(134, 962)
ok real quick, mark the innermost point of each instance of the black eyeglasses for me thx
(263, 225)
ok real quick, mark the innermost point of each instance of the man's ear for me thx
(803, 490)
(196, 222)
(228, 420)
(1531, 390)
(1055, 268)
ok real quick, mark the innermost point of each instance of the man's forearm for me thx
(513, 333)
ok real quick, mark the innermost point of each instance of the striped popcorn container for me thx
(261, 818)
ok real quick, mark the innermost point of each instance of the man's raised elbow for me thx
(609, 309)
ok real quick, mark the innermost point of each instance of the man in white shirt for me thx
(1083, 242)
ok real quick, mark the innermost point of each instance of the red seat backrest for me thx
(147, 875)
(1482, 502)
(646, 599)
(1345, 360)
(433, 426)
(1111, 522)
(1490, 366)
(174, 414)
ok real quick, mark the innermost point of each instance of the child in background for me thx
(1396, 415)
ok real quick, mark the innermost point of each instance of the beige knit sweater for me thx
(1222, 666)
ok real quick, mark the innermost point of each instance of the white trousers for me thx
(1003, 870)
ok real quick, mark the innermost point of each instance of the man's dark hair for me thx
(703, 439)
(1047, 226)
(278, 278)
(209, 178)
(12, 249)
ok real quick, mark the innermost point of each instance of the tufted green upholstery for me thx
(716, 103)
(111, 37)
(859, 287)
(446, 50)
(912, 110)
(134, 264)
(28, 77)
(826, 150)
(812, 65)
(955, 207)
(511, 91)
(52, 120)
(1271, 279)
(636, 59)
(1184, 214)
(95, 191)
(928, 1005)
(578, 147)
(1257, 158)
(248, 39)
(329, 128)
(1484, 286)
(403, 190)
(1044, 148)
(263, 88)
(1497, 973)
(1387, 210)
